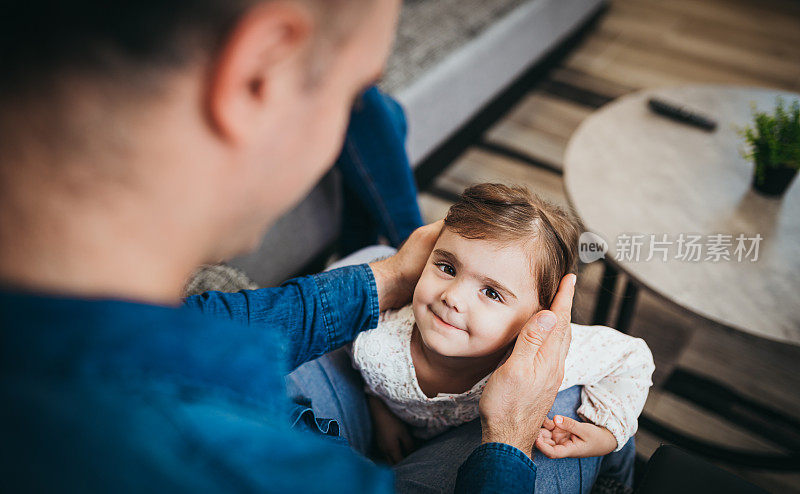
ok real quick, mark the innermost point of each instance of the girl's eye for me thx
(446, 268)
(492, 294)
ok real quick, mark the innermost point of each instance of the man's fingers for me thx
(430, 232)
(540, 326)
(436, 226)
(562, 307)
(548, 424)
(534, 334)
(418, 246)
(562, 302)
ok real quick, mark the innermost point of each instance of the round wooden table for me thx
(634, 176)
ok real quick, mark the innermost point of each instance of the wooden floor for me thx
(641, 44)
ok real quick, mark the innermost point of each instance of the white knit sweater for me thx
(615, 370)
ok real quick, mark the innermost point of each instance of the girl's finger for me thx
(560, 435)
(566, 423)
(545, 448)
(545, 436)
(564, 450)
(395, 452)
(406, 444)
(556, 452)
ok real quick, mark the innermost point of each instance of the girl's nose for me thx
(450, 299)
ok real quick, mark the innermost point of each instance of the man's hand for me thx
(392, 435)
(564, 437)
(397, 276)
(522, 390)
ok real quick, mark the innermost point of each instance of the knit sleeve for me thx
(615, 370)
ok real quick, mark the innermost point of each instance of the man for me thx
(142, 139)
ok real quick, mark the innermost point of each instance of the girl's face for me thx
(473, 296)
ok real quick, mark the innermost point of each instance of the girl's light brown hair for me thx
(505, 213)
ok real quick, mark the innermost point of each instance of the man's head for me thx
(217, 114)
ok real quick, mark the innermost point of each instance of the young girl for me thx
(499, 259)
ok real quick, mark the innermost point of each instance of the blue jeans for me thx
(335, 390)
(379, 192)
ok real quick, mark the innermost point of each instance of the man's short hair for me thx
(124, 52)
(129, 39)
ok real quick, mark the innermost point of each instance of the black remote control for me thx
(681, 114)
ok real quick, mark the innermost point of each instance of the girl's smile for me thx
(442, 322)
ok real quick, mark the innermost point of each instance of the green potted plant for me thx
(774, 147)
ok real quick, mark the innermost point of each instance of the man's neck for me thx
(114, 252)
(74, 278)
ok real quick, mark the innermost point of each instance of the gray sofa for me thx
(451, 57)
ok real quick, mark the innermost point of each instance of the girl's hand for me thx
(392, 435)
(564, 437)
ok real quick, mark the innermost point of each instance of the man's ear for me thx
(263, 48)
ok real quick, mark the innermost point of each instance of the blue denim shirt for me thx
(110, 395)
